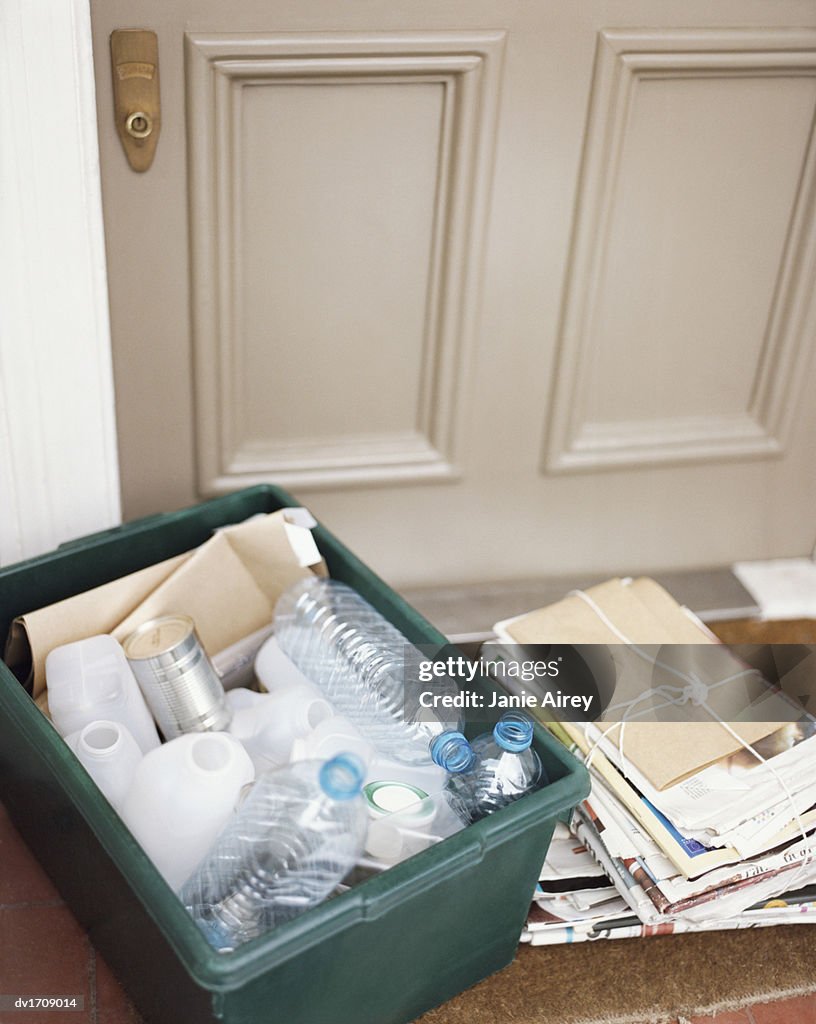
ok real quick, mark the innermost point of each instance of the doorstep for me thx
(465, 612)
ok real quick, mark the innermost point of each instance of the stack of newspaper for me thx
(703, 803)
(577, 901)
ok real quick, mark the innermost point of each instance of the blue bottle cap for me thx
(451, 751)
(214, 930)
(514, 731)
(342, 776)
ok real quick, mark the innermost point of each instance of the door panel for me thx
(498, 290)
(698, 175)
(338, 185)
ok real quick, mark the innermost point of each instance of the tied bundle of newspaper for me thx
(703, 801)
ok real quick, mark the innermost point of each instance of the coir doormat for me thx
(634, 981)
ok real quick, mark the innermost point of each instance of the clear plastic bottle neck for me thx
(451, 751)
(514, 732)
(341, 777)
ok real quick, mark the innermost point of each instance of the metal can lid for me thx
(158, 636)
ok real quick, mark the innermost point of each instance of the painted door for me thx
(497, 289)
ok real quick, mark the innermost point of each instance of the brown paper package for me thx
(645, 614)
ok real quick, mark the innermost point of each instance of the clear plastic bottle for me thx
(297, 834)
(452, 752)
(495, 769)
(365, 667)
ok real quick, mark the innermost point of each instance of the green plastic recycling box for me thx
(381, 953)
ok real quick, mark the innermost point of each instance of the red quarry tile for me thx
(22, 880)
(43, 951)
(112, 1004)
(726, 1017)
(801, 1010)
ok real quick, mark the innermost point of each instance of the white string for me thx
(691, 680)
(695, 692)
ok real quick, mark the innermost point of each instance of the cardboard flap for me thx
(228, 586)
(34, 634)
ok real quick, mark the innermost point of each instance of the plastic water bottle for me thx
(297, 834)
(365, 667)
(453, 752)
(495, 769)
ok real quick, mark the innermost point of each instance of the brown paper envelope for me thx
(668, 752)
(573, 621)
(95, 611)
(644, 613)
(568, 621)
(684, 628)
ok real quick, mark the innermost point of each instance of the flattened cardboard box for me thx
(228, 586)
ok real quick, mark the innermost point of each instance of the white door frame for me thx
(59, 475)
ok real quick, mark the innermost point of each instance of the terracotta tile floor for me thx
(43, 950)
(801, 1010)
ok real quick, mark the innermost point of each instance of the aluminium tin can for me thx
(176, 677)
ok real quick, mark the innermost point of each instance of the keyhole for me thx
(139, 125)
